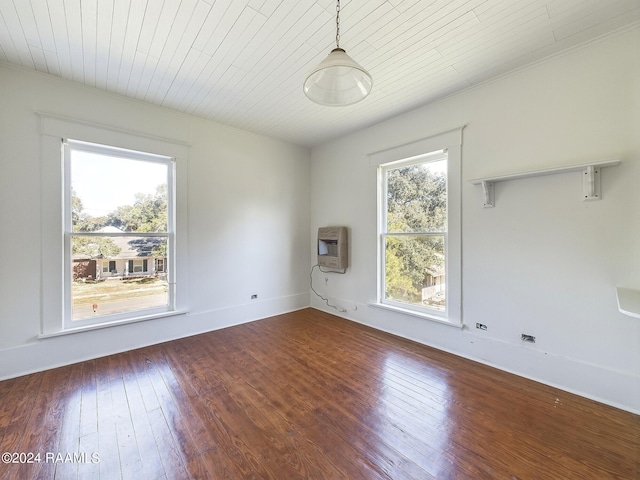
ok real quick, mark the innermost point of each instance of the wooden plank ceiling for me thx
(243, 62)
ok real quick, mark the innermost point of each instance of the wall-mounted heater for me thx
(332, 247)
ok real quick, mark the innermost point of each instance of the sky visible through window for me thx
(104, 183)
(438, 167)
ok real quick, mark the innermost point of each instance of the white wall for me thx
(248, 222)
(541, 262)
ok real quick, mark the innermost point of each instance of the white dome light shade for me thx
(338, 80)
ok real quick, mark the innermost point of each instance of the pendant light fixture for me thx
(338, 80)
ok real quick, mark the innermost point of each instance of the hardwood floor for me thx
(305, 395)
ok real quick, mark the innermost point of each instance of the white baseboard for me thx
(611, 387)
(47, 353)
(615, 388)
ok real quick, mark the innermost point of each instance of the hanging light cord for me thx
(338, 24)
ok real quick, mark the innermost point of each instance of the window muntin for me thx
(118, 211)
(414, 233)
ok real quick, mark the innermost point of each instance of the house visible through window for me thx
(118, 231)
(414, 233)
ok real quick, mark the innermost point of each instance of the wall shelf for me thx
(628, 301)
(590, 179)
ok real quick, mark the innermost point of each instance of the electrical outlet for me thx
(528, 338)
(254, 296)
(481, 326)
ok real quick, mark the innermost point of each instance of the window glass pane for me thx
(417, 198)
(117, 194)
(415, 270)
(127, 285)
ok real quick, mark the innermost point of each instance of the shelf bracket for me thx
(488, 193)
(590, 179)
(591, 183)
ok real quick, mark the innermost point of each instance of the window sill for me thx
(88, 328)
(413, 313)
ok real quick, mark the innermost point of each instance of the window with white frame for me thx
(66, 224)
(118, 213)
(414, 232)
(419, 243)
